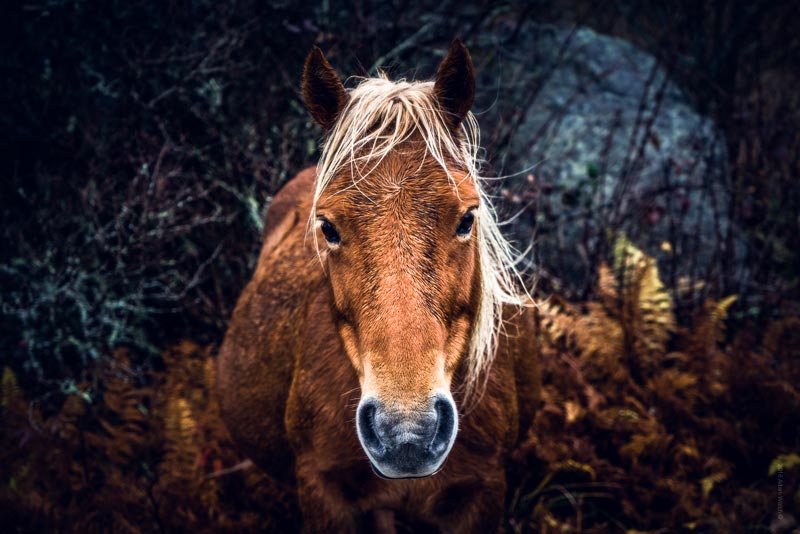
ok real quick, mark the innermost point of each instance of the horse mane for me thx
(379, 116)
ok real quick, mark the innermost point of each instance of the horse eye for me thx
(465, 226)
(331, 235)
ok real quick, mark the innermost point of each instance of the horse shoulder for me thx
(256, 360)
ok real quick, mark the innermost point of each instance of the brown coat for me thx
(288, 395)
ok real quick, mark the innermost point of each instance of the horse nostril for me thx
(366, 427)
(446, 422)
(404, 444)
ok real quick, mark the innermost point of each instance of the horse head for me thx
(416, 267)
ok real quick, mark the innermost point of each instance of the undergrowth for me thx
(645, 426)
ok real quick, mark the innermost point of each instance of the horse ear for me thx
(323, 91)
(455, 84)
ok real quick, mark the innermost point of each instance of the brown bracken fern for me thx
(646, 423)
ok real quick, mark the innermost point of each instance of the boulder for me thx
(599, 140)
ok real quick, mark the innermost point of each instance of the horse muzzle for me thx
(407, 444)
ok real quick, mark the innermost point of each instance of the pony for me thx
(383, 357)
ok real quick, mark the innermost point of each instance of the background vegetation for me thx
(141, 144)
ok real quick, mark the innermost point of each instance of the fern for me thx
(647, 317)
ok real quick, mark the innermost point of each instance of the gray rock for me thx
(607, 143)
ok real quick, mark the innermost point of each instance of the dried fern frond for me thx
(652, 445)
(718, 315)
(599, 334)
(14, 405)
(557, 321)
(128, 422)
(607, 287)
(10, 389)
(647, 306)
(182, 450)
(708, 327)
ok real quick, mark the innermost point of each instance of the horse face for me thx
(399, 247)
(401, 258)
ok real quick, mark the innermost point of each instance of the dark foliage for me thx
(644, 425)
(141, 143)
